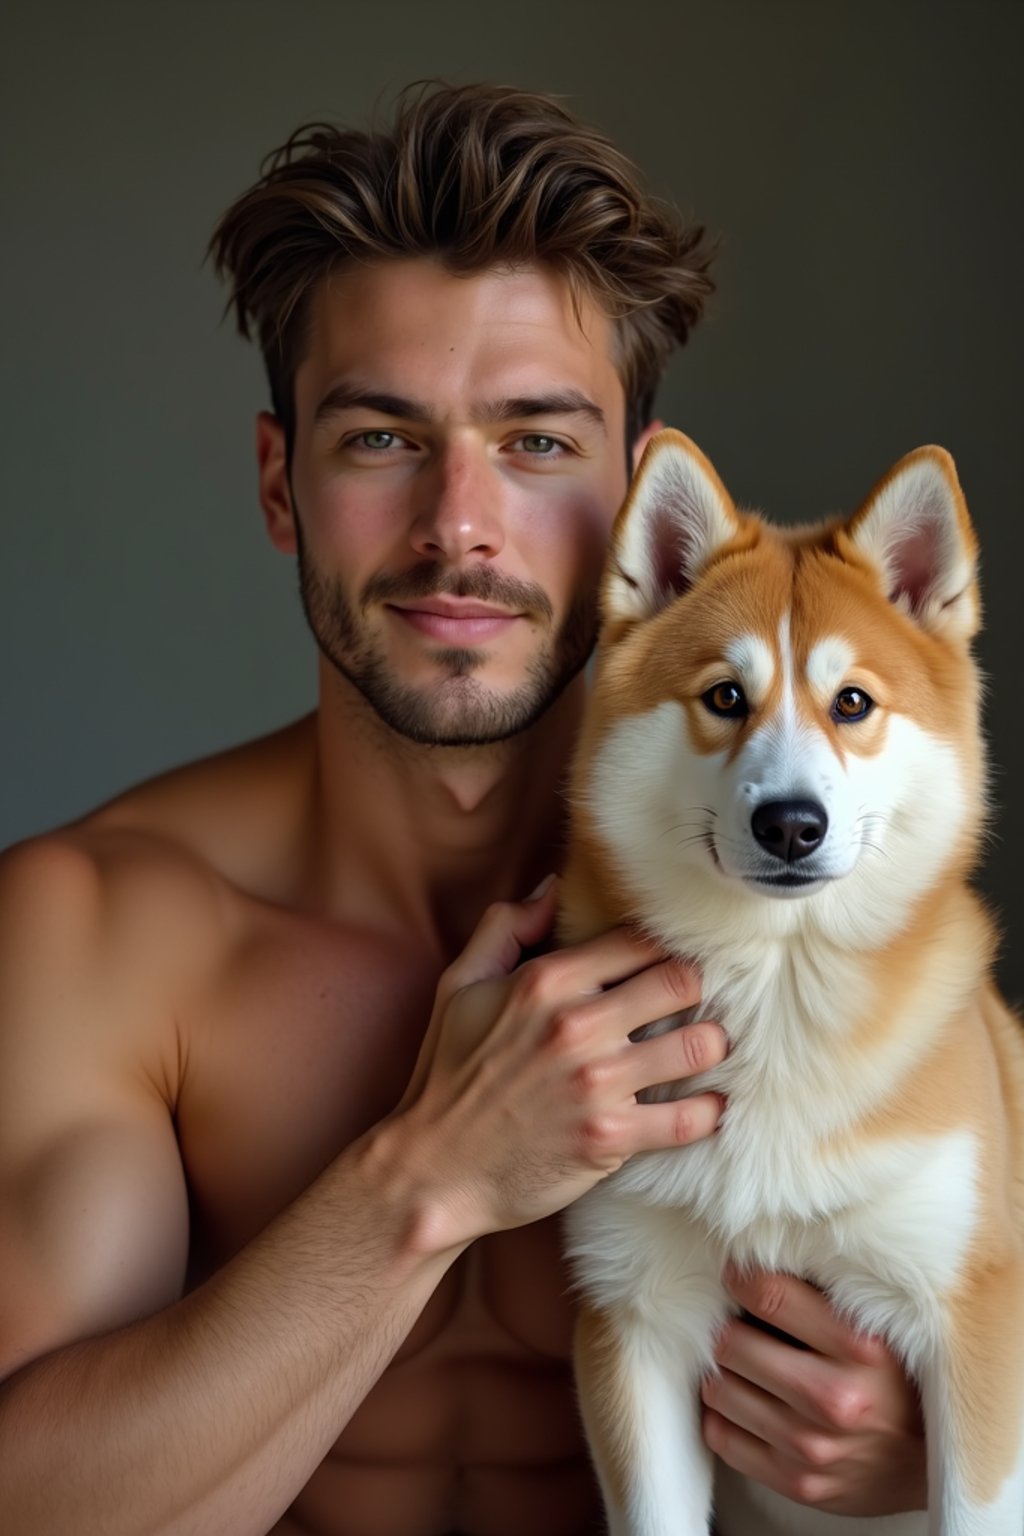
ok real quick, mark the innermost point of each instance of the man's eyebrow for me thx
(344, 397)
(354, 396)
(562, 402)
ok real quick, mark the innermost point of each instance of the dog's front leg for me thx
(973, 1395)
(642, 1416)
(639, 1384)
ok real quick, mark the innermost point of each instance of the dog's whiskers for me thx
(696, 826)
(868, 823)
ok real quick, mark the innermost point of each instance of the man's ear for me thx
(642, 441)
(275, 491)
(677, 516)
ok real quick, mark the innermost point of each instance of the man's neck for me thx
(422, 838)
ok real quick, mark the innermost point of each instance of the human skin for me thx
(284, 1123)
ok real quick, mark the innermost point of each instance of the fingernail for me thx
(542, 889)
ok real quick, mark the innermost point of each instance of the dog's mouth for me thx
(781, 882)
(789, 881)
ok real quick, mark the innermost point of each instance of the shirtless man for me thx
(286, 1116)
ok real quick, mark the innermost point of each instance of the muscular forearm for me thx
(212, 1415)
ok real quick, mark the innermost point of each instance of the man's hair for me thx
(478, 177)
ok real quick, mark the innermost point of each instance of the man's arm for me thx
(211, 1413)
(126, 1408)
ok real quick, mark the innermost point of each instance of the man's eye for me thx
(377, 440)
(540, 444)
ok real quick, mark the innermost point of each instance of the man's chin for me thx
(429, 725)
(460, 711)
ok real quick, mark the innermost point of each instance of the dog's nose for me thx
(790, 829)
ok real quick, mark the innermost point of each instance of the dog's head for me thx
(784, 713)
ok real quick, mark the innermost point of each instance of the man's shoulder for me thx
(223, 813)
(157, 879)
(88, 901)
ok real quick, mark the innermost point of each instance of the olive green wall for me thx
(862, 162)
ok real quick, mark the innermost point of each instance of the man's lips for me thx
(453, 621)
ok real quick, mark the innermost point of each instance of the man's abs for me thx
(473, 1428)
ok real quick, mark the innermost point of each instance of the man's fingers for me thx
(642, 996)
(780, 1369)
(657, 1127)
(613, 1135)
(621, 956)
(818, 1388)
(802, 1311)
(753, 1458)
(507, 928)
(764, 1416)
(504, 931)
(678, 1054)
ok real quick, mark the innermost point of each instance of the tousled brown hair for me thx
(478, 176)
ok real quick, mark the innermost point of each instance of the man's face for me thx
(458, 464)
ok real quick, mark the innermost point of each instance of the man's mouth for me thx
(455, 621)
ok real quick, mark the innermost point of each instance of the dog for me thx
(780, 776)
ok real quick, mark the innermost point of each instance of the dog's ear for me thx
(915, 529)
(676, 516)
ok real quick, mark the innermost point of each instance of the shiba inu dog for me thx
(781, 777)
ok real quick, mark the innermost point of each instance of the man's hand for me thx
(836, 1425)
(524, 1095)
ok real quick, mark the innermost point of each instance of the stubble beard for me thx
(458, 710)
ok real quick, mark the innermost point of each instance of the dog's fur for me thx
(873, 1140)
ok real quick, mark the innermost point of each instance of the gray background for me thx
(862, 162)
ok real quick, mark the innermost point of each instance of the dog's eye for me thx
(852, 704)
(726, 699)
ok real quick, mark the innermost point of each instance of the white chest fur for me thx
(787, 1182)
(883, 1224)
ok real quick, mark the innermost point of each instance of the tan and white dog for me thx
(781, 777)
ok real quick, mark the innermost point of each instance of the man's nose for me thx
(459, 506)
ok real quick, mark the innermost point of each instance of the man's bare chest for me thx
(304, 1039)
(303, 1044)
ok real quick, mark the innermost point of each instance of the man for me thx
(287, 1109)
